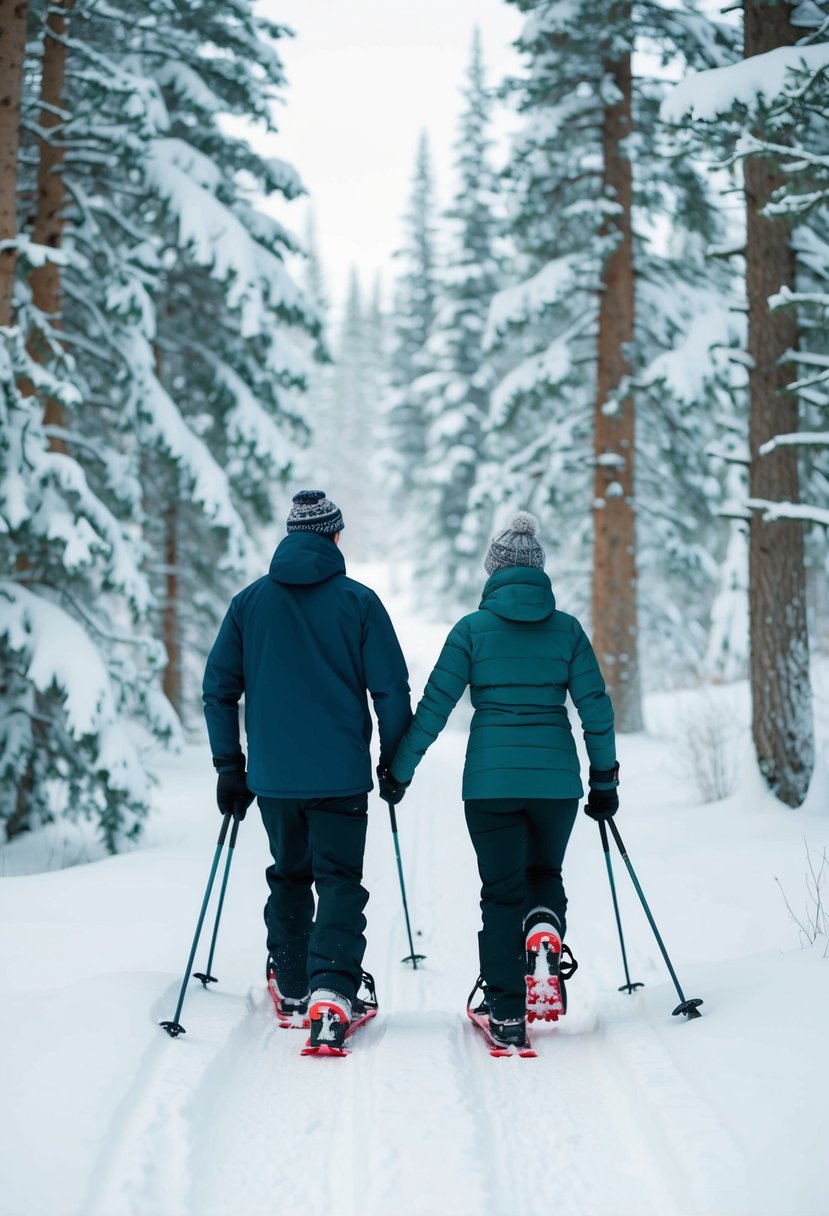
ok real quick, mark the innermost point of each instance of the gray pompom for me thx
(524, 522)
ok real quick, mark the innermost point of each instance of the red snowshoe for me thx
(291, 1012)
(334, 1019)
(549, 964)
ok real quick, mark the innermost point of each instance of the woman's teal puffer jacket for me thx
(520, 657)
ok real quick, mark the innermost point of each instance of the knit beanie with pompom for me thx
(313, 512)
(516, 546)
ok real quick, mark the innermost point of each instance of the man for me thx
(304, 644)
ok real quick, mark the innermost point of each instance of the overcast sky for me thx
(364, 77)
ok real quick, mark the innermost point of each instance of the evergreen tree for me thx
(318, 461)
(455, 390)
(607, 313)
(72, 669)
(415, 300)
(229, 362)
(355, 425)
(140, 405)
(772, 114)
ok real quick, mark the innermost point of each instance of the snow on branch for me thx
(527, 299)
(706, 96)
(772, 511)
(248, 424)
(35, 255)
(687, 368)
(818, 439)
(210, 485)
(59, 654)
(549, 367)
(218, 239)
(66, 474)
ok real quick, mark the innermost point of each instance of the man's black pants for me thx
(520, 844)
(319, 841)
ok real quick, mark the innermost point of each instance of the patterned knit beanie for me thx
(516, 546)
(313, 512)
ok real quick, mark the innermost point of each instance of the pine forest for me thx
(380, 378)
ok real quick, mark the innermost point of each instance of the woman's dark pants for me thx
(520, 843)
(319, 841)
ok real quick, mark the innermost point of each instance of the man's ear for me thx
(336, 538)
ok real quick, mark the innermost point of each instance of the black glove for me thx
(232, 793)
(603, 798)
(391, 790)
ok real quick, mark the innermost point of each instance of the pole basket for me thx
(689, 1008)
(174, 1029)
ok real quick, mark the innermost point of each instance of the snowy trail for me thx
(419, 1119)
(625, 1112)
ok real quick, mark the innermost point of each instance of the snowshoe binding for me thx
(291, 1012)
(333, 1018)
(505, 1037)
(549, 964)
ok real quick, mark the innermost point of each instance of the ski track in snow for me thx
(419, 1120)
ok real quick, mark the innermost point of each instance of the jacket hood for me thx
(519, 593)
(303, 558)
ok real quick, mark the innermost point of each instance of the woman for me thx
(520, 657)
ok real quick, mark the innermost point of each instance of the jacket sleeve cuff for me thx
(604, 779)
(229, 764)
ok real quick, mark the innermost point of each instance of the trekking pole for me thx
(206, 977)
(175, 1028)
(689, 1007)
(412, 958)
(627, 986)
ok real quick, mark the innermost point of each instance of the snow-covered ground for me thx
(626, 1109)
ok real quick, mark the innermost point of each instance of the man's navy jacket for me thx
(304, 644)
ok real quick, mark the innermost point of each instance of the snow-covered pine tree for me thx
(455, 390)
(226, 304)
(415, 299)
(317, 463)
(376, 381)
(73, 557)
(355, 422)
(73, 670)
(594, 182)
(771, 112)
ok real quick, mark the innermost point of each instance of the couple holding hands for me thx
(306, 646)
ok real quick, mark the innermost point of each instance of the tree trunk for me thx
(615, 629)
(13, 15)
(780, 691)
(172, 682)
(51, 195)
(171, 627)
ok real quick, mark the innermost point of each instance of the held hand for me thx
(603, 798)
(391, 790)
(232, 793)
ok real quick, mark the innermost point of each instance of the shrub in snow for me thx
(813, 920)
(710, 743)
